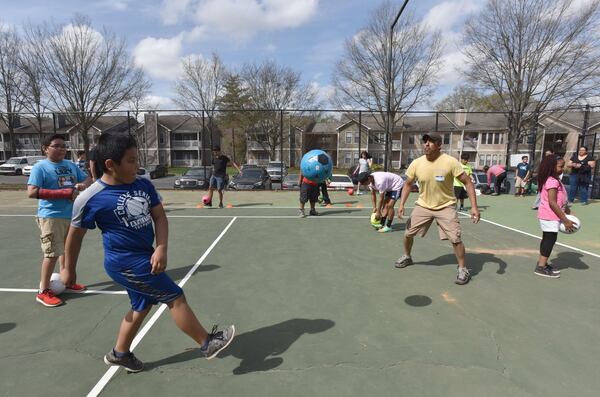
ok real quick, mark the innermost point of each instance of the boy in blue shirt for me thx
(54, 182)
(125, 208)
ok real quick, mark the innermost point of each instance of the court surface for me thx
(318, 307)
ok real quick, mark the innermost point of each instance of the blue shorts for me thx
(393, 195)
(217, 182)
(145, 289)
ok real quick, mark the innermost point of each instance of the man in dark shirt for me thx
(218, 177)
(522, 176)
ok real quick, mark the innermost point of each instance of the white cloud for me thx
(324, 92)
(160, 102)
(118, 5)
(452, 64)
(238, 19)
(270, 48)
(448, 13)
(160, 58)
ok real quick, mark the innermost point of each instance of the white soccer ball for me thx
(576, 224)
(56, 284)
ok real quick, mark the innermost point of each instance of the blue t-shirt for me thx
(122, 212)
(47, 174)
(522, 169)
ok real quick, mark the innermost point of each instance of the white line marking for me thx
(539, 238)
(88, 291)
(112, 370)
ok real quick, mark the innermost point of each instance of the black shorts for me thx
(309, 193)
(460, 192)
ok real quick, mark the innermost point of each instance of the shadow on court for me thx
(474, 261)
(327, 212)
(5, 327)
(569, 260)
(257, 349)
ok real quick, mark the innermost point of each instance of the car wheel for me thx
(18, 171)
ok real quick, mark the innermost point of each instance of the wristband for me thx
(55, 194)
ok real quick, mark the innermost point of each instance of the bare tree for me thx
(138, 102)
(360, 77)
(10, 81)
(467, 98)
(88, 73)
(533, 53)
(199, 89)
(273, 89)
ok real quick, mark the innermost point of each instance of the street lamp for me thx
(390, 87)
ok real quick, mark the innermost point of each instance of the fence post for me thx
(359, 132)
(534, 133)
(584, 127)
(128, 123)
(509, 139)
(280, 146)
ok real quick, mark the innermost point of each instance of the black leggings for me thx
(548, 240)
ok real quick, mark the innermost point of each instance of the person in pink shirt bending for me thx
(551, 211)
(499, 171)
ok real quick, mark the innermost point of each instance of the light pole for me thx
(390, 88)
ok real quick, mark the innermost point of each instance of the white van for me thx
(15, 165)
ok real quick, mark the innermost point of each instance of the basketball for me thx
(576, 224)
(376, 223)
(316, 165)
(205, 199)
(56, 285)
(350, 191)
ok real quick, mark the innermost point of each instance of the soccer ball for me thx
(56, 284)
(376, 223)
(316, 165)
(576, 224)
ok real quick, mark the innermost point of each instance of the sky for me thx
(305, 35)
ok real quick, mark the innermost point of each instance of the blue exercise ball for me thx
(316, 165)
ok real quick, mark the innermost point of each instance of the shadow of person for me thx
(327, 212)
(566, 260)
(257, 349)
(5, 327)
(474, 262)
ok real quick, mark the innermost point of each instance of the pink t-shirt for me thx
(544, 210)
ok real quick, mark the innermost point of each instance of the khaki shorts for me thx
(446, 219)
(520, 183)
(53, 233)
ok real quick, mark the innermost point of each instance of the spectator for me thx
(499, 171)
(522, 176)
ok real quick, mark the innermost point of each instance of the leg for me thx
(572, 187)
(129, 327)
(211, 190)
(220, 197)
(186, 320)
(408, 244)
(48, 265)
(583, 193)
(459, 251)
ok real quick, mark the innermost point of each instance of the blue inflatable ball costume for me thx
(316, 165)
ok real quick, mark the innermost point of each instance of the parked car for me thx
(340, 182)
(248, 166)
(290, 182)
(194, 178)
(480, 181)
(157, 170)
(275, 169)
(27, 169)
(15, 165)
(251, 179)
(143, 173)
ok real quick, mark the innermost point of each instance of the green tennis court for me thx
(318, 307)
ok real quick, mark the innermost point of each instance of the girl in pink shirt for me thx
(551, 212)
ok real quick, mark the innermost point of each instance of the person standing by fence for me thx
(581, 163)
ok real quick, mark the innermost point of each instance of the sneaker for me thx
(209, 204)
(48, 299)
(217, 341)
(546, 272)
(220, 205)
(553, 270)
(77, 288)
(585, 203)
(462, 276)
(130, 362)
(495, 194)
(461, 209)
(384, 229)
(313, 212)
(301, 213)
(403, 261)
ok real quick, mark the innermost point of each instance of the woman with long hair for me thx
(551, 211)
(364, 165)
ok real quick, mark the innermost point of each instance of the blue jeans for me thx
(573, 187)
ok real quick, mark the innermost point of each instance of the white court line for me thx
(87, 291)
(113, 370)
(538, 237)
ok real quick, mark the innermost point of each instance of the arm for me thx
(300, 180)
(35, 192)
(466, 180)
(72, 249)
(404, 196)
(374, 200)
(488, 174)
(552, 201)
(236, 166)
(161, 229)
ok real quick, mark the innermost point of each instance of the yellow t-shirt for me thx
(468, 170)
(436, 180)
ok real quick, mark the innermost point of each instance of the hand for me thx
(80, 186)
(400, 211)
(378, 214)
(159, 260)
(475, 216)
(569, 226)
(74, 194)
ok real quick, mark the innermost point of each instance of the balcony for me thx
(469, 146)
(396, 145)
(184, 145)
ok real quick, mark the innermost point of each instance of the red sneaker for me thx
(47, 298)
(75, 288)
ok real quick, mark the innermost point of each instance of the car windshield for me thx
(13, 161)
(141, 171)
(252, 173)
(340, 178)
(197, 172)
(276, 164)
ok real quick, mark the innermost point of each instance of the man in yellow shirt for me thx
(459, 188)
(435, 173)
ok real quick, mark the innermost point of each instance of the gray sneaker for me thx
(403, 261)
(129, 362)
(217, 341)
(462, 276)
(301, 213)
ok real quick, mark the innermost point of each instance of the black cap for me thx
(435, 138)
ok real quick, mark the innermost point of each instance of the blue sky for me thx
(306, 35)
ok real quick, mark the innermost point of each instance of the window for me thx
(496, 138)
(347, 158)
(348, 137)
(411, 139)
(356, 137)
(488, 159)
(355, 157)
(495, 159)
(490, 138)
(501, 138)
(161, 138)
(446, 139)
(481, 160)
(377, 137)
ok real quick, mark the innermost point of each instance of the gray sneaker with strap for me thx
(217, 341)
(403, 261)
(128, 361)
